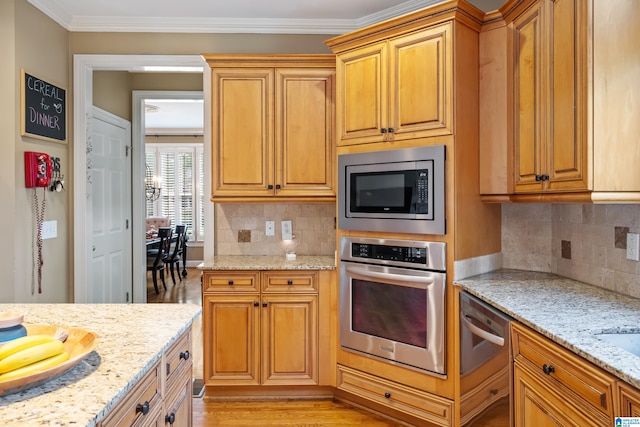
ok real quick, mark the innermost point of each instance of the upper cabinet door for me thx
(528, 99)
(242, 134)
(362, 94)
(420, 81)
(304, 132)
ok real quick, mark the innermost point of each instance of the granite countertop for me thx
(131, 338)
(569, 312)
(259, 262)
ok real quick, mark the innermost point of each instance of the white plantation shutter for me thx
(180, 168)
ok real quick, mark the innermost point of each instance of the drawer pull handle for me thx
(387, 395)
(289, 282)
(143, 407)
(171, 418)
(185, 355)
(230, 282)
(548, 369)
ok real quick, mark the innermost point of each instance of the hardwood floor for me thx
(300, 413)
(187, 291)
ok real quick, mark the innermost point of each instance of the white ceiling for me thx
(224, 16)
(231, 16)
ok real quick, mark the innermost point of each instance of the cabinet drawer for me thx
(231, 281)
(141, 406)
(290, 281)
(566, 372)
(484, 395)
(417, 403)
(178, 359)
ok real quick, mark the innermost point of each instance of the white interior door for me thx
(109, 210)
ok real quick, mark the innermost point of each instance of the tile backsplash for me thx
(240, 228)
(533, 236)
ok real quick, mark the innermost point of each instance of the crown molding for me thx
(220, 25)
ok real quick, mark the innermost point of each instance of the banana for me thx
(19, 344)
(34, 368)
(31, 355)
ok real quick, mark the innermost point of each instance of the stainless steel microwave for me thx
(397, 191)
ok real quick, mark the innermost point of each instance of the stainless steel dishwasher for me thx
(485, 362)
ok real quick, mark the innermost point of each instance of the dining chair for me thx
(177, 250)
(157, 257)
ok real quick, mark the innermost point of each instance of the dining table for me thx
(153, 240)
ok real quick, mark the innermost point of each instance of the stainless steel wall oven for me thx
(392, 301)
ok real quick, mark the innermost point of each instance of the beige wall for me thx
(32, 41)
(532, 236)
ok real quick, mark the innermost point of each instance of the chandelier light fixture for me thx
(152, 187)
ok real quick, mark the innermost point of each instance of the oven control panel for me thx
(392, 252)
(389, 253)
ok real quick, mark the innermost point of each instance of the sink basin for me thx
(629, 341)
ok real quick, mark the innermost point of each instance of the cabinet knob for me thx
(170, 418)
(548, 369)
(256, 304)
(289, 282)
(264, 304)
(143, 407)
(383, 130)
(185, 355)
(387, 395)
(391, 130)
(270, 187)
(230, 282)
(543, 177)
(278, 186)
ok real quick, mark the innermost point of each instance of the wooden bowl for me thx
(79, 344)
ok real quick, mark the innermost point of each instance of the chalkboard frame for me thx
(27, 107)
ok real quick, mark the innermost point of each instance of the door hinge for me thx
(126, 150)
(127, 296)
(126, 224)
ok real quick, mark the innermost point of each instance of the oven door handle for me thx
(389, 276)
(480, 332)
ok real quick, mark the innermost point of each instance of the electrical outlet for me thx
(287, 232)
(49, 229)
(633, 246)
(270, 228)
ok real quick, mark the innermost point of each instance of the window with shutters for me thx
(181, 172)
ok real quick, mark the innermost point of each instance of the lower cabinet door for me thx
(290, 337)
(535, 405)
(231, 339)
(179, 406)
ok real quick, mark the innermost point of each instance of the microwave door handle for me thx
(366, 274)
(480, 332)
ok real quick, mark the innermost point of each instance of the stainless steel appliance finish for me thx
(400, 191)
(392, 301)
(485, 358)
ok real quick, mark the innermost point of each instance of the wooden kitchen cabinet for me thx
(162, 397)
(629, 399)
(272, 127)
(396, 89)
(550, 81)
(557, 102)
(554, 387)
(267, 335)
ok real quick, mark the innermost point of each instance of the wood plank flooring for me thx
(299, 413)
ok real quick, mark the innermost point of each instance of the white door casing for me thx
(83, 68)
(109, 209)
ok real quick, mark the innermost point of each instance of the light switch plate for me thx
(49, 229)
(633, 246)
(270, 228)
(287, 232)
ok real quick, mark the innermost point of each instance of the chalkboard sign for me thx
(44, 109)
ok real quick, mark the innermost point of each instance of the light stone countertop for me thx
(131, 338)
(259, 262)
(569, 312)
